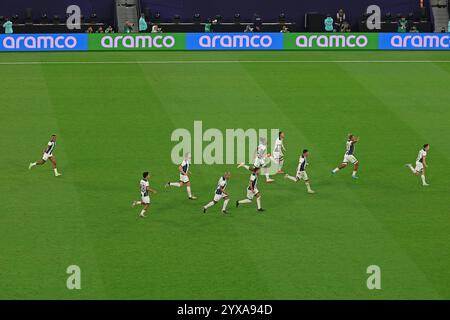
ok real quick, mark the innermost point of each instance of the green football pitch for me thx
(114, 114)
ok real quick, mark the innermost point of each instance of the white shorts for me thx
(46, 156)
(350, 158)
(145, 200)
(218, 197)
(419, 166)
(259, 163)
(302, 175)
(277, 156)
(184, 178)
(251, 194)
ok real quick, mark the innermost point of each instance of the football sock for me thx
(174, 184)
(244, 201)
(188, 189)
(209, 205)
(246, 167)
(142, 212)
(336, 170)
(33, 164)
(411, 168)
(423, 179)
(258, 202)
(308, 186)
(225, 203)
(56, 171)
(354, 173)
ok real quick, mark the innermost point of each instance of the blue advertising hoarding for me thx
(234, 41)
(414, 41)
(230, 41)
(44, 42)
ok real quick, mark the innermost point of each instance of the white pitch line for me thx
(219, 62)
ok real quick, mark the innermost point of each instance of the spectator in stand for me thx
(248, 28)
(328, 23)
(90, 30)
(345, 27)
(109, 30)
(156, 28)
(414, 29)
(402, 25)
(100, 30)
(340, 17)
(443, 30)
(208, 26)
(8, 26)
(142, 24)
(284, 29)
(128, 27)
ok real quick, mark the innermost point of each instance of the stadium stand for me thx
(48, 16)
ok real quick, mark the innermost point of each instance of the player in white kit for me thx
(421, 164)
(278, 152)
(184, 176)
(262, 159)
(301, 171)
(220, 193)
(48, 155)
(349, 157)
(145, 191)
(252, 191)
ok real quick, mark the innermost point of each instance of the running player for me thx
(220, 193)
(277, 154)
(184, 176)
(421, 164)
(48, 155)
(262, 158)
(145, 194)
(252, 191)
(301, 171)
(349, 157)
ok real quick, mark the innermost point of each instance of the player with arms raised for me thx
(220, 193)
(349, 156)
(301, 171)
(184, 176)
(145, 193)
(48, 155)
(421, 164)
(252, 191)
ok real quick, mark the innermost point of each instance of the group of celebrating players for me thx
(262, 162)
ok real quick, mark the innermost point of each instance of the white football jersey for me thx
(278, 148)
(50, 147)
(349, 147)
(302, 163)
(421, 155)
(185, 166)
(221, 185)
(253, 180)
(261, 152)
(143, 186)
